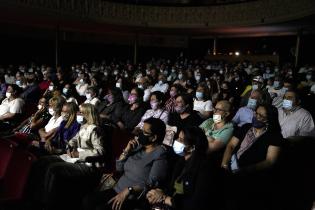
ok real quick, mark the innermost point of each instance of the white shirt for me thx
(147, 93)
(13, 106)
(296, 123)
(160, 87)
(72, 99)
(81, 88)
(203, 106)
(94, 101)
(159, 113)
(53, 123)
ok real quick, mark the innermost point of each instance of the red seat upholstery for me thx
(16, 175)
(6, 151)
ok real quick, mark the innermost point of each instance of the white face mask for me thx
(88, 96)
(118, 85)
(81, 81)
(198, 77)
(80, 119)
(51, 111)
(8, 95)
(287, 104)
(178, 148)
(51, 88)
(65, 91)
(217, 118)
(39, 107)
(160, 82)
(255, 87)
(140, 86)
(180, 76)
(18, 83)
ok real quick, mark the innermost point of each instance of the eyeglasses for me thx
(218, 109)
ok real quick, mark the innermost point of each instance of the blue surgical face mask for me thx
(255, 87)
(276, 84)
(199, 95)
(80, 119)
(179, 148)
(251, 103)
(287, 104)
(65, 91)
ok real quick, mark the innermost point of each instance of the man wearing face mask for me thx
(218, 129)
(161, 85)
(293, 119)
(245, 114)
(11, 108)
(146, 87)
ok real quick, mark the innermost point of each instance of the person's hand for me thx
(132, 144)
(119, 199)
(155, 196)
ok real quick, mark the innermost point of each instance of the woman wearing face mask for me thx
(191, 184)
(143, 163)
(181, 78)
(184, 116)
(51, 91)
(91, 96)
(202, 103)
(11, 108)
(82, 84)
(68, 128)
(218, 129)
(156, 111)
(64, 180)
(49, 131)
(252, 152)
(170, 104)
(133, 113)
(112, 108)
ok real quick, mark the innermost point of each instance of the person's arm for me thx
(7, 116)
(132, 144)
(272, 156)
(45, 135)
(236, 118)
(97, 147)
(229, 151)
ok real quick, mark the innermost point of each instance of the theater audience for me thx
(143, 163)
(293, 119)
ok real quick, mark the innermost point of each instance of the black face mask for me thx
(257, 123)
(144, 140)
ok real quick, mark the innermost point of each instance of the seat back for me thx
(6, 151)
(16, 175)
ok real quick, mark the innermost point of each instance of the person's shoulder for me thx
(304, 112)
(161, 151)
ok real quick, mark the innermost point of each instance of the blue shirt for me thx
(64, 134)
(244, 115)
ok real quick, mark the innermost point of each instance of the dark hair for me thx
(16, 89)
(140, 94)
(178, 87)
(206, 90)
(117, 94)
(194, 136)
(272, 117)
(157, 128)
(188, 100)
(159, 96)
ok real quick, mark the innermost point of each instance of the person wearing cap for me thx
(257, 84)
(293, 119)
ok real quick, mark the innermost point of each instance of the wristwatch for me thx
(130, 189)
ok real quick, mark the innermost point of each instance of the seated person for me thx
(170, 104)
(143, 163)
(218, 129)
(293, 119)
(133, 113)
(202, 103)
(49, 131)
(68, 128)
(193, 184)
(156, 111)
(91, 96)
(245, 114)
(161, 85)
(11, 108)
(70, 93)
(31, 93)
(112, 108)
(251, 153)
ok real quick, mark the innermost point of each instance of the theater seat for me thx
(6, 151)
(16, 176)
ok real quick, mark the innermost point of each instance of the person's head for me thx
(156, 100)
(257, 82)
(90, 92)
(225, 87)
(55, 105)
(69, 113)
(255, 98)
(184, 103)
(114, 95)
(266, 116)
(175, 90)
(60, 75)
(13, 91)
(143, 83)
(291, 100)
(309, 76)
(135, 96)
(153, 132)
(162, 78)
(202, 92)
(277, 83)
(88, 114)
(191, 140)
(42, 104)
(222, 111)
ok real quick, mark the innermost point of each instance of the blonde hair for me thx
(73, 109)
(90, 113)
(57, 103)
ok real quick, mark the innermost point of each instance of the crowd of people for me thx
(198, 129)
